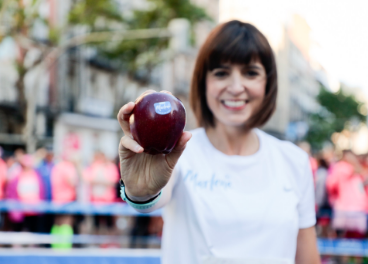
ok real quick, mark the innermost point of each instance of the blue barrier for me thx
(78, 260)
(72, 208)
(106, 256)
(347, 247)
(85, 256)
(27, 238)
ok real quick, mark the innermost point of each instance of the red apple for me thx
(157, 122)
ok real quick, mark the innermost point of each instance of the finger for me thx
(149, 91)
(175, 154)
(144, 94)
(127, 143)
(167, 92)
(123, 117)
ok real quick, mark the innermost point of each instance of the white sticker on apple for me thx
(162, 108)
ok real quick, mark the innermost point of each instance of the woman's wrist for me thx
(139, 202)
(140, 198)
(137, 197)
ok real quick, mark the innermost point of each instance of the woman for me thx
(64, 180)
(26, 187)
(233, 194)
(3, 176)
(102, 176)
(346, 185)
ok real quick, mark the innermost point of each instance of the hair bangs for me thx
(242, 50)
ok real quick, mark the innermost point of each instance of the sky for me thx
(339, 27)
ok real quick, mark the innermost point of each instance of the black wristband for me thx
(136, 202)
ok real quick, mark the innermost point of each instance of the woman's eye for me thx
(252, 73)
(220, 73)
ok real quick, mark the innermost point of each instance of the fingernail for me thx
(138, 148)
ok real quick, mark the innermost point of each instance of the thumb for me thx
(175, 154)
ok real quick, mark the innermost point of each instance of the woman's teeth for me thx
(234, 103)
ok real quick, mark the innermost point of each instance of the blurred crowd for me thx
(340, 180)
(341, 192)
(40, 177)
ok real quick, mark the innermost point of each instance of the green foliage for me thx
(162, 11)
(20, 68)
(87, 12)
(338, 111)
(19, 18)
(54, 35)
(138, 57)
(343, 106)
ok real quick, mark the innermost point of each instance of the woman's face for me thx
(235, 92)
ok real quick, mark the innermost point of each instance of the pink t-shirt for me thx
(347, 188)
(3, 176)
(64, 177)
(102, 172)
(28, 187)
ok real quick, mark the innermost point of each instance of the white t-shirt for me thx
(237, 209)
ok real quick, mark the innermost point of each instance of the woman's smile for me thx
(234, 105)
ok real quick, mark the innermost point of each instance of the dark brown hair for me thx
(233, 42)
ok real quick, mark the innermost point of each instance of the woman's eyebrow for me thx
(253, 67)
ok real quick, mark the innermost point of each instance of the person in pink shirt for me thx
(64, 181)
(64, 178)
(102, 176)
(26, 187)
(346, 185)
(3, 176)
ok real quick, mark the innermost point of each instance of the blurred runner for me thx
(3, 179)
(44, 169)
(64, 179)
(26, 187)
(324, 210)
(102, 176)
(346, 184)
(3, 175)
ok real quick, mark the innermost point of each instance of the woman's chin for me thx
(234, 123)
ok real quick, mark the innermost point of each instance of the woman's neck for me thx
(233, 140)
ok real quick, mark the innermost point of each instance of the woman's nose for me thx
(236, 84)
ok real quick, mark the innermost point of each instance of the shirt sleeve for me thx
(306, 206)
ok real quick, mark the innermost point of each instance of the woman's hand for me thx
(144, 175)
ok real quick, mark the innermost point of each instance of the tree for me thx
(17, 23)
(19, 19)
(99, 19)
(137, 57)
(339, 110)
